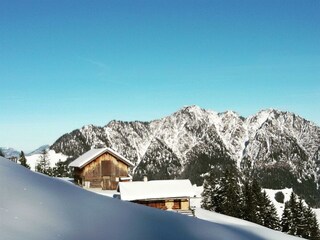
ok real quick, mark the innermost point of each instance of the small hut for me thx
(100, 168)
(163, 194)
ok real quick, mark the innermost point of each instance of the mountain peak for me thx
(193, 139)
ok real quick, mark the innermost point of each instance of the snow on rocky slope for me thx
(268, 139)
(37, 207)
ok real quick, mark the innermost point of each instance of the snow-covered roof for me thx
(93, 154)
(158, 189)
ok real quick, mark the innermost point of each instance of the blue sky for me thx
(64, 64)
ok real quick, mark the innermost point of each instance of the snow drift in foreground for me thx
(34, 206)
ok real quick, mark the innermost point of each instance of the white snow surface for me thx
(52, 156)
(155, 189)
(35, 206)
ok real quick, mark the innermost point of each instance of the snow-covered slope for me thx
(37, 207)
(53, 157)
(263, 232)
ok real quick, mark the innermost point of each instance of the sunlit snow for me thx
(34, 206)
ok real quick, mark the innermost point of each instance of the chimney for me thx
(145, 179)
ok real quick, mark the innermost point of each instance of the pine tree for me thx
(231, 193)
(257, 202)
(312, 227)
(60, 169)
(207, 194)
(212, 195)
(290, 215)
(223, 195)
(23, 160)
(43, 165)
(269, 216)
(248, 206)
(286, 218)
(300, 220)
(1, 153)
(293, 205)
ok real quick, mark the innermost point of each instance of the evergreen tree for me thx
(269, 216)
(257, 207)
(60, 169)
(257, 202)
(231, 193)
(1, 153)
(43, 164)
(248, 206)
(312, 227)
(286, 218)
(293, 205)
(212, 195)
(299, 220)
(23, 160)
(207, 194)
(223, 195)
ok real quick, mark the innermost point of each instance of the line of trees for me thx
(299, 219)
(233, 196)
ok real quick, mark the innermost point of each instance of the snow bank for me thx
(37, 207)
(263, 232)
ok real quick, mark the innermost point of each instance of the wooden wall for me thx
(104, 172)
(165, 204)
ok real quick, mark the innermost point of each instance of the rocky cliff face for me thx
(280, 148)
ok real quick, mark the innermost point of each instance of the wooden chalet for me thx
(100, 168)
(171, 195)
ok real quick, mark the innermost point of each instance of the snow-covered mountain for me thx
(9, 152)
(35, 206)
(39, 150)
(280, 148)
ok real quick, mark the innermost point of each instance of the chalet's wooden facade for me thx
(100, 168)
(173, 195)
(176, 204)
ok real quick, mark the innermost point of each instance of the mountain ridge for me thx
(190, 141)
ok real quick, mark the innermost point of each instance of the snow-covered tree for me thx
(289, 216)
(43, 164)
(269, 216)
(299, 220)
(231, 193)
(257, 207)
(60, 169)
(248, 205)
(223, 195)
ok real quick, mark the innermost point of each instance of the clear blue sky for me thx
(64, 64)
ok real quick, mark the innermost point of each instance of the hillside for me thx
(34, 206)
(280, 148)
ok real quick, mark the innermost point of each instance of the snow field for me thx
(35, 206)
